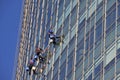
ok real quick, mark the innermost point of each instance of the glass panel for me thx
(110, 3)
(79, 70)
(86, 62)
(49, 74)
(63, 56)
(97, 51)
(91, 38)
(71, 45)
(99, 12)
(89, 77)
(70, 76)
(74, 16)
(70, 63)
(118, 30)
(118, 10)
(110, 18)
(55, 77)
(79, 53)
(82, 7)
(60, 9)
(81, 33)
(66, 25)
(67, 2)
(62, 71)
(56, 65)
(91, 59)
(110, 71)
(98, 31)
(118, 67)
(92, 20)
(110, 36)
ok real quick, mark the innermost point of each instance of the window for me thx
(86, 62)
(73, 32)
(118, 1)
(49, 74)
(92, 20)
(60, 9)
(99, 28)
(118, 30)
(79, 70)
(74, 2)
(54, 19)
(79, 53)
(88, 25)
(81, 33)
(56, 65)
(91, 38)
(81, 30)
(110, 3)
(97, 51)
(87, 42)
(110, 36)
(110, 52)
(67, 2)
(110, 70)
(66, 26)
(71, 45)
(119, 11)
(90, 2)
(63, 56)
(82, 7)
(111, 15)
(118, 67)
(98, 71)
(89, 77)
(118, 58)
(49, 10)
(63, 71)
(90, 58)
(70, 63)
(74, 16)
(70, 76)
(58, 33)
(99, 11)
(54, 14)
(55, 77)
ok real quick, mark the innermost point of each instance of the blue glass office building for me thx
(91, 48)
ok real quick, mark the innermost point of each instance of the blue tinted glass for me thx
(70, 63)
(98, 69)
(62, 71)
(66, 25)
(80, 49)
(89, 77)
(74, 16)
(61, 3)
(91, 37)
(110, 18)
(49, 9)
(98, 31)
(56, 65)
(118, 67)
(109, 65)
(86, 63)
(67, 2)
(118, 1)
(118, 10)
(82, 6)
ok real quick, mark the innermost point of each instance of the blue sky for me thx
(10, 11)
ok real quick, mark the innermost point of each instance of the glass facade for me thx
(91, 48)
